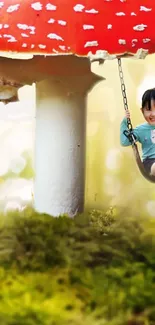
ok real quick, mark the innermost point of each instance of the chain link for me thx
(129, 133)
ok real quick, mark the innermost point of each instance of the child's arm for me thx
(123, 139)
(123, 127)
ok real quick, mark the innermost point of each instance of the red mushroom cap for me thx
(77, 26)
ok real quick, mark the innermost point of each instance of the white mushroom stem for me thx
(60, 145)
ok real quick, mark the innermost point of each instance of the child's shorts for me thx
(148, 162)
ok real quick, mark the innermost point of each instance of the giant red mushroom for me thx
(52, 44)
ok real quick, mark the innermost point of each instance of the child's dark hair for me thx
(147, 97)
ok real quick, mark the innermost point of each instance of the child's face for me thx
(149, 114)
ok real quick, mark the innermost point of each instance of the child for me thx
(144, 133)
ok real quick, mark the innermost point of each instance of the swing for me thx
(129, 133)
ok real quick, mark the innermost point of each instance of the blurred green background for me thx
(111, 173)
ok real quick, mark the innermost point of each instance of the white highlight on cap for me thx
(24, 45)
(1, 4)
(133, 14)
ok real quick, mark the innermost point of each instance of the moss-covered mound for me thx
(95, 269)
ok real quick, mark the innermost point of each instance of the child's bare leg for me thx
(153, 169)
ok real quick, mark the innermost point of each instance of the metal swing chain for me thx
(128, 133)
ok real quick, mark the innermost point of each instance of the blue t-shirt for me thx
(145, 134)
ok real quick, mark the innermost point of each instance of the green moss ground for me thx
(95, 269)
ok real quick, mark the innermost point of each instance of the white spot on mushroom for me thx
(85, 27)
(4, 26)
(1, 4)
(134, 41)
(62, 47)
(133, 14)
(78, 8)
(91, 11)
(140, 27)
(13, 8)
(49, 6)
(32, 46)
(91, 43)
(55, 51)
(146, 40)
(62, 22)
(37, 6)
(51, 21)
(120, 14)
(24, 45)
(122, 41)
(109, 26)
(24, 35)
(42, 46)
(22, 26)
(55, 36)
(26, 27)
(32, 30)
(142, 8)
(11, 38)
